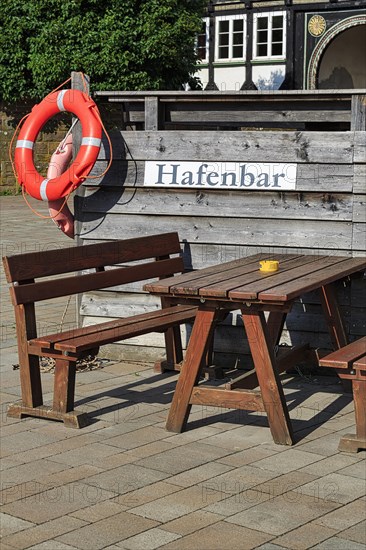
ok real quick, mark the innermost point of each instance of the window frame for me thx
(204, 61)
(269, 16)
(231, 19)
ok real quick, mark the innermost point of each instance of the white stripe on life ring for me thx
(60, 100)
(91, 141)
(43, 189)
(25, 144)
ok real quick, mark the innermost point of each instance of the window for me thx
(202, 42)
(269, 35)
(230, 38)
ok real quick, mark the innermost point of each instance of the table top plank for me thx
(305, 267)
(191, 282)
(164, 286)
(255, 278)
(321, 277)
(219, 283)
(193, 286)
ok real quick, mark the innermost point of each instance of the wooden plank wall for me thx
(324, 215)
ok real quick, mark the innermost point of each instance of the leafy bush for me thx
(120, 44)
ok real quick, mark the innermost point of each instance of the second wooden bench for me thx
(350, 364)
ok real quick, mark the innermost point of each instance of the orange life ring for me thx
(82, 106)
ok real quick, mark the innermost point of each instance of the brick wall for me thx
(47, 141)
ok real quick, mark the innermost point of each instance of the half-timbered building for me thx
(283, 44)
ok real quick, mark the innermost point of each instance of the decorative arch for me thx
(323, 43)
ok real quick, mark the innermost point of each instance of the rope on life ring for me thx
(50, 189)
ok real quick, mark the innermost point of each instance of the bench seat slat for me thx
(50, 340)
(44, 290)
(343, 358)
(112, 331)
(360, 363)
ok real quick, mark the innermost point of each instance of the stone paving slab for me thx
(41, 534)
(150, 540)
(268, 516)
(218, 536)
(337, 543)
(99, 534)
(192, 522)
(306, 536)
(356, 532)
(124, 482)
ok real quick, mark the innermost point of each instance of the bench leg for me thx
(353, 443)
(174, 351)
(29, 370)
(30, 376)
(64, 393)
(64, 386)
(30, 381)
(63, 400)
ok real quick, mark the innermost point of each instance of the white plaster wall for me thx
(229, 78)
(268, 77)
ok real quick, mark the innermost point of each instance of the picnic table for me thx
(240, 285)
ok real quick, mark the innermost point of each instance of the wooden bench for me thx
(137, 259)
(350, 364)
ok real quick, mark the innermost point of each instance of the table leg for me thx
(268, 378)
(333, 316)
(198, 344)
(275, 324)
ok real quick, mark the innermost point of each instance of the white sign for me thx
(253, 176)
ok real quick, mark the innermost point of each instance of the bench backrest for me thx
(23, 269)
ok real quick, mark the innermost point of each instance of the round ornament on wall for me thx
(317, 25)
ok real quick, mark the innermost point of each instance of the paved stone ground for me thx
(124, 482)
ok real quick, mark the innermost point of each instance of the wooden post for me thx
(358, 113)
(78, 83)
(151, 113)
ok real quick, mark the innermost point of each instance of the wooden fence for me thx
(321, 133)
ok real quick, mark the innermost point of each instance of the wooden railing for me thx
(315, 110)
